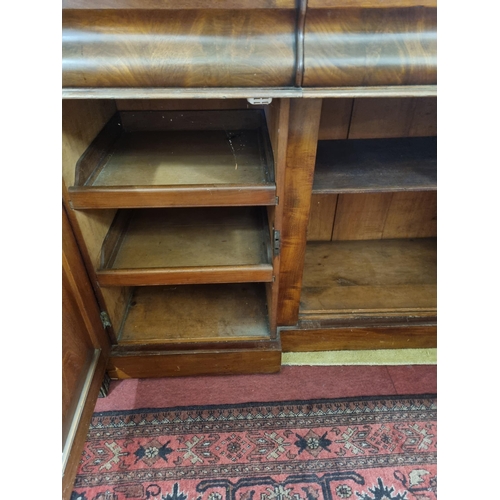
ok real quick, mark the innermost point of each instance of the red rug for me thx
(368, 448)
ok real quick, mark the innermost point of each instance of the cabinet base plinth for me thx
(188, 363)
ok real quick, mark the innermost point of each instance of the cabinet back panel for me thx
(385, 118)
(378, 118)
(373, 216)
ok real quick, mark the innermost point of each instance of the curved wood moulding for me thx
(370, 46)
(179, 48)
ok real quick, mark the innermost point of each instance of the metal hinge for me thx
(260, 100)
(276, 242)
(105, 320)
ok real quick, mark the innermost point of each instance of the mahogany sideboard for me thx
(240, 182)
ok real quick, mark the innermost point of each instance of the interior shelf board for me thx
(196, 313)
(175, 158)
(375, 277)
(376, 165)
(185, 246)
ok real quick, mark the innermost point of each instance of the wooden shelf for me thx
(196, 313)
(369, 278)
(177, 158)
(376, 165)
(185, 246)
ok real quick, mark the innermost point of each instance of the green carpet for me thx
(381, 357)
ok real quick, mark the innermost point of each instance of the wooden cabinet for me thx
(178, 218)
(369, 275)
(247, 181)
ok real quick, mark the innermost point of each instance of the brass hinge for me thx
(105, 320)
(276, 242)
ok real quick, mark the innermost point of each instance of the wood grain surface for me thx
(356, 276)
(211, 362)
(393, 117)
(196, 313)
(359, 338)
(370, 46)
(178, 48)
(300, 160)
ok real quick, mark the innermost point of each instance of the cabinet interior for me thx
(371, 240)
(176, 208)
(175, 204)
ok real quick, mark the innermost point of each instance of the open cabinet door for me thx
(85, 349)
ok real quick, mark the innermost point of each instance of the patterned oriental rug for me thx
(368, 448)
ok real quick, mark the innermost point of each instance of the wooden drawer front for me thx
(178, 48)
(364, 47)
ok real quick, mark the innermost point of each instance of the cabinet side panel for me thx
(81, 122)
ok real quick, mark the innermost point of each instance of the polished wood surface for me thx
(277, 115)
(370, 46)
(359, 338)
(181, 246)
(196, 313)
(74, 458)
(376, 165)
(82, 336)
(77, 352)
(86, 198)
(182, 364)
(300, 160)
(178, 48)
(369, 276)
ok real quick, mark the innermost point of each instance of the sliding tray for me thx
(187, 245)
(196, 314)
(376, 165)
(177, 158)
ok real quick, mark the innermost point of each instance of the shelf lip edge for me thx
(262, 273)
(245, 93)
(91, 197)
